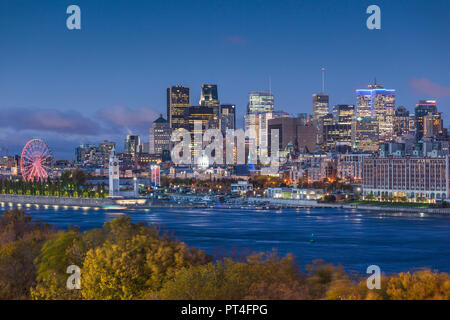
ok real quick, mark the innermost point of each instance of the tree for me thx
(20, 243)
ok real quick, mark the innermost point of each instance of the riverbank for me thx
(290, 203)
(249, 203)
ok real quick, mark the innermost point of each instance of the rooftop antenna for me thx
(323, 79)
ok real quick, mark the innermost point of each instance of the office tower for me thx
(260, 101)
(412, 124)
(292, 131)
(432, 125)
(260, 123)
(228, 117)
(132, 144)
(203, 116)
(209, 97)
(401, 122)
(343, 113)
(320, 109)
(160, 134)
(337, 134)
(365, 134)
(82, 153)
(178, 100)
(422, 109)
(113, 174)
(378, 103)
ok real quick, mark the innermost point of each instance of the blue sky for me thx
(109, 78)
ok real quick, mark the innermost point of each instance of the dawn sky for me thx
(109, 78)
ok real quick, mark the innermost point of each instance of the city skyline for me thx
(101, 83)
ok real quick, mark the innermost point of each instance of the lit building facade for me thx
(160, 134)
(260, 101)
(209, 97)
(227, 117)
(401, 122)
(132, 144)
(379, 103)
(365, 134)
(178, 100)
(350, 166)
(321, 108)
(423, 108)
(413, 179)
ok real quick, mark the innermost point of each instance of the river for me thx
(394, 241)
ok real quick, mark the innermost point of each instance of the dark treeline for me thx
(123, 260)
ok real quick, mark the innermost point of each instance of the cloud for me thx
(236, 40)
(120, 116)
(48, 120)
(426, 86)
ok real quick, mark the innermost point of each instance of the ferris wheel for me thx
(35, 161)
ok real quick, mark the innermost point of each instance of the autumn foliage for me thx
(123, 260)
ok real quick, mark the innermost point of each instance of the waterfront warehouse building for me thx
(408, 178)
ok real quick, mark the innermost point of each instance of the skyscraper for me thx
(260, 123)
(132, 144)
(209, 97)
(203, 116)
(178, 100)
(228, 117)
(260, 101)
(160, 133)
(344, 113)
(365, 134)
(401, 122)
(320, 110)
(379, 103)
(423, 108)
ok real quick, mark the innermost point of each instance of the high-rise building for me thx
(432, 125)
(401, 122)
(201, 115)
(132, 144)
(260, 101)
(365, 134)
(423, 108)
(209, 97)
(336, 135)
(178, 100)
(378, 103)
(343, 113)
(160, 134)
(228, 117)
(292, 131)
(260, 123)
(321, 108)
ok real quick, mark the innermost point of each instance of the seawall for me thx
(61, 201)
(315, 204)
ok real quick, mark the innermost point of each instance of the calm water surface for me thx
(355, 239)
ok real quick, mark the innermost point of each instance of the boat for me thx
(114, 207)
